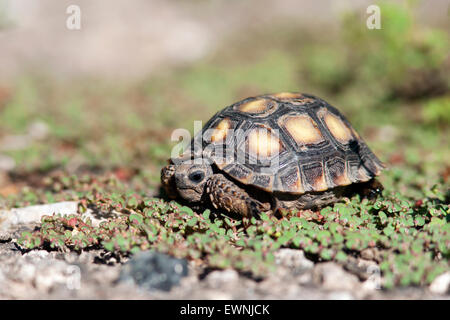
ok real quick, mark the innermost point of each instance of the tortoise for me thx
(273, 152)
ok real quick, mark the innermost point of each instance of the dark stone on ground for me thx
(152, 270)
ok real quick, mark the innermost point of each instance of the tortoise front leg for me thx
(168, 181)
(226, 195)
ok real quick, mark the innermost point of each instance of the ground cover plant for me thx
(103, 145)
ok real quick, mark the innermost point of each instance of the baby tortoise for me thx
(273, 152)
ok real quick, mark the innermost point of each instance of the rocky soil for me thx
(41, 274)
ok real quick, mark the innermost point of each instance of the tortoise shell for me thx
(286, 142)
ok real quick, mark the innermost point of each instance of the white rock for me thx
(333, 277)
(36, 255)
(33, 214)
(293, 258)
(371, 284)
(217, 279)
(441, 284)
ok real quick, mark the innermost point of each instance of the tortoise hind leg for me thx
(226, 195)
(317, 200)
(307, 201)
(370, 189)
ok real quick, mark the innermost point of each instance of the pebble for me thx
(294, 259)
(441, 284)
(153, 270)
(36, 254)
(33, 214)
(333, 277)
(217, 279)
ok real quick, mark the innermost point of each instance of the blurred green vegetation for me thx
(402, 60)
(392, 84)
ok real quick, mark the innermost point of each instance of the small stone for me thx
(333, 277)
(217, 279)
(441, 284)
(36, 254)
(362, 268)
(293, 259)
(4, 234)
(368, 254)
(371, 284)
(34, 214)
(153, 270)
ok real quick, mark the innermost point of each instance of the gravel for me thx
(95, 274)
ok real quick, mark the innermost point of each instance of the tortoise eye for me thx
(196, 176)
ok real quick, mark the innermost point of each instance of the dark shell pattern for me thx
(286, 142)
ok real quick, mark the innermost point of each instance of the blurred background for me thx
(104, 99)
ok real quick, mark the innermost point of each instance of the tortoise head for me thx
(187, 178)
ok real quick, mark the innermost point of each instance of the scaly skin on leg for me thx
(226, 195)
(168, 181)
